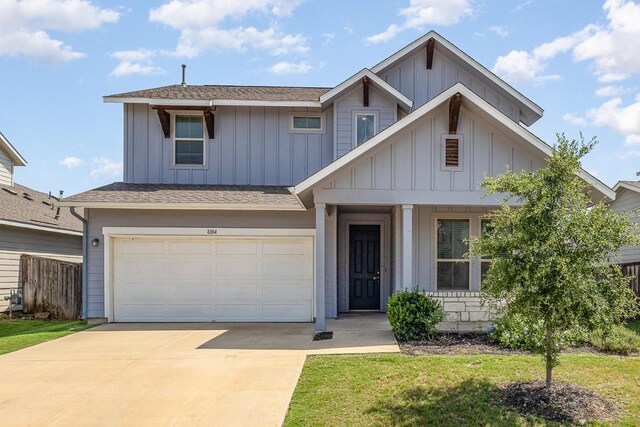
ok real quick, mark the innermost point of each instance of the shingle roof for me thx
(239, 93)
(275, 197)
(24, 205)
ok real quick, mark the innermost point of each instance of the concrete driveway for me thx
(170, 374)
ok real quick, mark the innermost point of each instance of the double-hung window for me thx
(451, 265)
(189, 140)
(365, 127)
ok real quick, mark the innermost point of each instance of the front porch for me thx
(365, 253)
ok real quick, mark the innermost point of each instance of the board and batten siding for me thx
(6, 169)
(411, 78)
(99, 218)
(411, 159)
(252, 145)
(626, 202)
(347, 106)
(15, 241)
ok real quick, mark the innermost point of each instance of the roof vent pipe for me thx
(184, 74)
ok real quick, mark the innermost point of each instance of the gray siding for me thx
(627, 202)
(6, 169)
(189, 219)
(410, 160)
(351, 103)
(16, 241)
(413, 80)
(252, 145)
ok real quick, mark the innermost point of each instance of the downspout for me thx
(85, 250)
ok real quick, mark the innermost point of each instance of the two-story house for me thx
(273, 204)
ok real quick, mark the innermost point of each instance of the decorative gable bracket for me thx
(365, 91)
(431, 44)
(454, 112)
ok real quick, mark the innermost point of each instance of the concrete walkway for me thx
(172, 374)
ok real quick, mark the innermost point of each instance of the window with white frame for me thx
(189, 140)
(451, 265)
(365, 127)
(307, 123)
(485, 227)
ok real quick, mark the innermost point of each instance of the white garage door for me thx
(213, 279)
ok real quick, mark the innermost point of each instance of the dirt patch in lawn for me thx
(564, 402)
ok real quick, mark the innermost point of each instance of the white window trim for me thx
(443, 152)
(480, 259)
(205, 138)
(357, 113)
(293, 129)
(469, 261)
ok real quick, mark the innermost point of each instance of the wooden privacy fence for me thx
(633, 269)
(52, 286)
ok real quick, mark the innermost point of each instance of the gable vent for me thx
(452, 155)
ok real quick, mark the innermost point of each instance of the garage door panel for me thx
(213, 279)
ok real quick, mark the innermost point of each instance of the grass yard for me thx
(400, 390)
(17, 333)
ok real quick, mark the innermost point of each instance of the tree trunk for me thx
(549, 354)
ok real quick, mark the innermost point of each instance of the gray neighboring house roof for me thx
(176, 196)
(21, 206)
(238, 93)
(629, 185)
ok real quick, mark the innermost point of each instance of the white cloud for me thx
(609, 91)
(285, 67)
(420, 13)
(70, 162)
(25, 24)
(105, 168)
(520, 66)
(138, 61)
(498, 30)
(348, 29)
(203, 25)
(328, 38)
(632, 140)
(574, 119)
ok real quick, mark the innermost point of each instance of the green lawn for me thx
(399, 390)
(18, 333)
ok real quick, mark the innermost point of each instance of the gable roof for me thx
(355, 80)
(530, 112)
(210, 95)
(181, 196)
(629, 185)
(24, 207)
(13, 154)
(467, 96)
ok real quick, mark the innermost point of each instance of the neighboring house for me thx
(627, 201)
(294, 204)
(32, 223)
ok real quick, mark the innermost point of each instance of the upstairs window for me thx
(307, 123)
(365, 127)
(189, 140)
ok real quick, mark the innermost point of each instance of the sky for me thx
(579, 60)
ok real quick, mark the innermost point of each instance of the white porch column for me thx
(407, 247)
(321, 210)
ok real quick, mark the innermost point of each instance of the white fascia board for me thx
(526, 102)
(182, 206)
(626, 186)
(328, 97)
(212, 102)
(13, 154)
(207, 232)
(39, 228)
(467, 95)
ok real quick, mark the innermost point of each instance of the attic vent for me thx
(46, 203)
(452, 154)
(27, 196)
(10, 191)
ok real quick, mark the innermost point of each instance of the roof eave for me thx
(36, 227)
(15, 156)
(209, 102)
(181, 206)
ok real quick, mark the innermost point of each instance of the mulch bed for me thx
(321, 336)
(563, 402)
(472, 343)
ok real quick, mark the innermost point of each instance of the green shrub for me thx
(622, 339)
(511, 331)
(413, 315)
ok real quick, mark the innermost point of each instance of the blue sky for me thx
(579, 60)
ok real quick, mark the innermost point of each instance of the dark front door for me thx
(364, 267)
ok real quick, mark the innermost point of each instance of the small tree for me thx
(551, 254)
